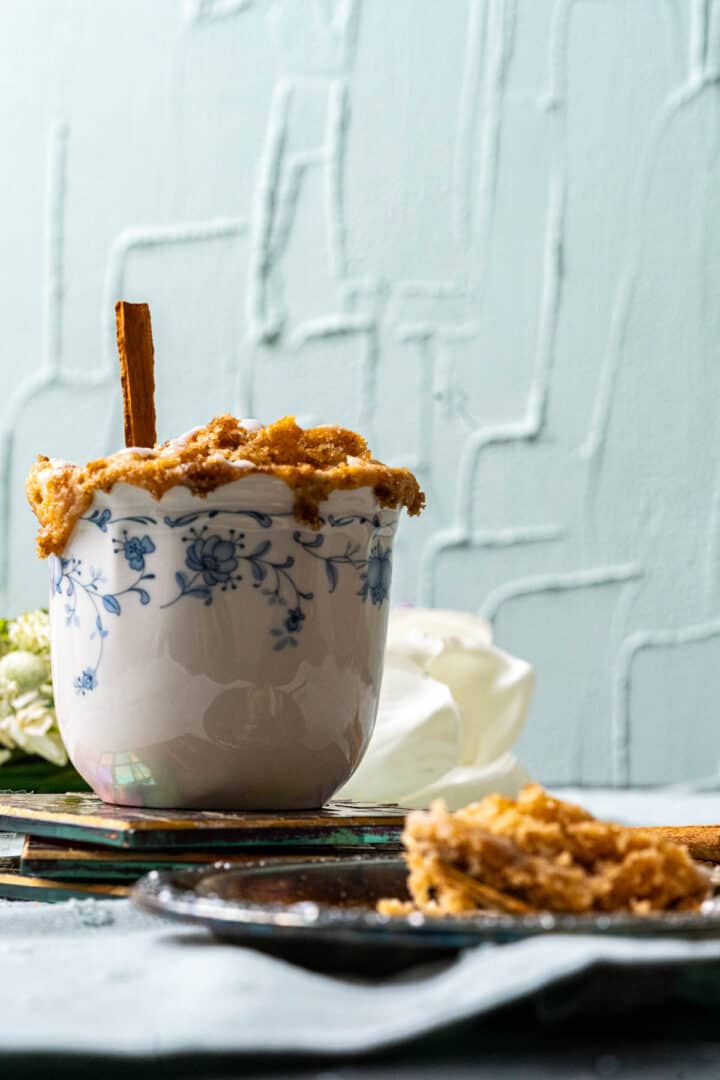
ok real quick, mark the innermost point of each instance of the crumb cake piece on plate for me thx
(539, 853)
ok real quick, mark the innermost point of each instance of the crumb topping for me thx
(313, 462)
(538, 853)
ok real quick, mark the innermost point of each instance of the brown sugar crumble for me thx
(313, 462)
(540, 854)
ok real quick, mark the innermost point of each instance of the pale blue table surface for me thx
(102, 982)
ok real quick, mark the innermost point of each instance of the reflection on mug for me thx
(119, 777)
(124, 769)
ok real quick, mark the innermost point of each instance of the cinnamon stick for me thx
(702, 841)
(135, 346)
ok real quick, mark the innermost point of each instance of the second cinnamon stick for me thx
(702, 841)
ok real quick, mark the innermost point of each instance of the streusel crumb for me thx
(538, 853)
(313, 462)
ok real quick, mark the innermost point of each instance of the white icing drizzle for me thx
(239, 463)
(180, 441)
(139, 451)
(53, 466)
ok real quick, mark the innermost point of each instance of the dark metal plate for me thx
(322, 914)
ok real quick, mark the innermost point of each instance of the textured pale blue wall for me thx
(485, 232)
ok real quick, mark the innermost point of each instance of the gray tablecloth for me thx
(99, 977)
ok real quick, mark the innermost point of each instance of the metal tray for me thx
(322, 914)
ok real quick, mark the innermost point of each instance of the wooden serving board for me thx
(61, 861)
(86, 819)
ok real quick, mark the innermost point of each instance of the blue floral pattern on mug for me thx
(294, 620)
(70, 579)
(216, 559)
(222, 560)
(377, 576)
(134, 548)
(213, 558)
(103, 518)
(86, 681)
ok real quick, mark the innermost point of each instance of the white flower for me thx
(451, 708)
(28, 670)
(27, 714)
(8, 692)
(30, 726)
(31, 632)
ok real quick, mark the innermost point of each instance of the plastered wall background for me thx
(484, 232)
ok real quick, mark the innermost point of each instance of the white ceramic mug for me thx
(213, 652)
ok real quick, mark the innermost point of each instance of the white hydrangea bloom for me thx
(27, 713)
(8, 693)
(29, 670)
(31, 632)
(30, 726)
(9, 690)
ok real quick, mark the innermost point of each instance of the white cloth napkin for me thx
(97, 978)
(451, 708)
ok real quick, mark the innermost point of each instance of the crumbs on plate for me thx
(540, 854)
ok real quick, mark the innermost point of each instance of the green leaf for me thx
(4, 636)
(36, 774)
